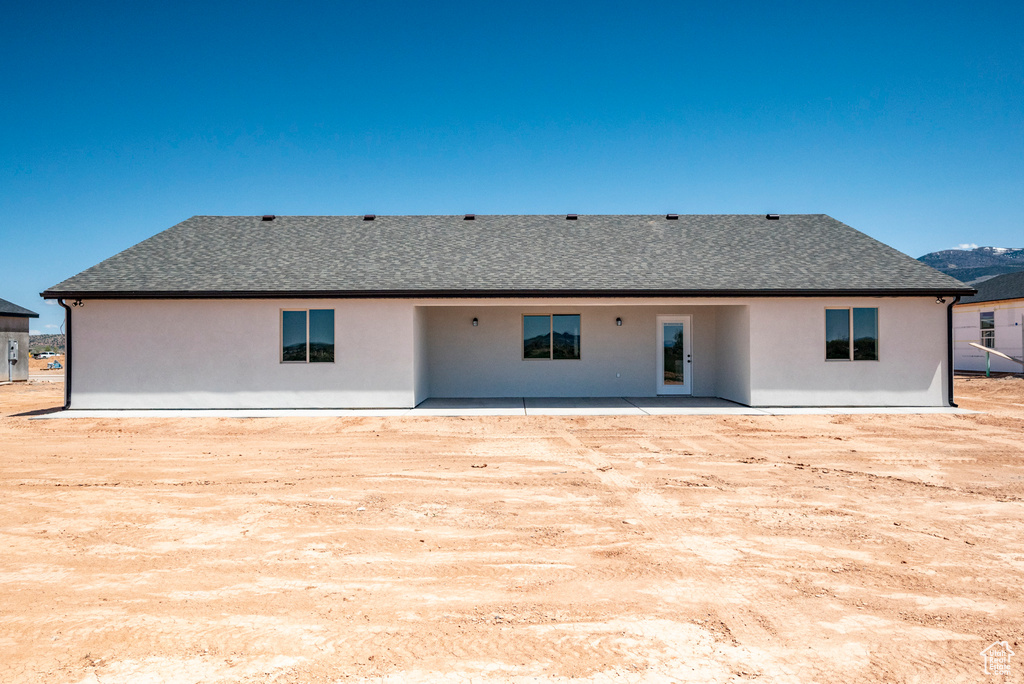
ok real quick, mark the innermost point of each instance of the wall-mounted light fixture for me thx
(618, 321)
(940, 300)
(475, 322)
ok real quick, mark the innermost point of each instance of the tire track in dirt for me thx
(647, 503)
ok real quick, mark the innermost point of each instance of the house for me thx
(993, 318)
(387, 311)
(14, 329)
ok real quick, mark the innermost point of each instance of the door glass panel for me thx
(675, 354)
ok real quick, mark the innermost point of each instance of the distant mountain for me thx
(976, 265)
(39, 342)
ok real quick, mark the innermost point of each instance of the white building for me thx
(371, 312)
(993, 318)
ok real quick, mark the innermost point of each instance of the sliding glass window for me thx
(865, 334)
(857, 324)
(551, 336)
(293, 336)
(307, 336)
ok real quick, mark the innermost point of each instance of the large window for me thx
(988, 329)
(307, 336)
(551, 336)
(858, 325)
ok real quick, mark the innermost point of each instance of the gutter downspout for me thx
(67, 355)
(949, 348)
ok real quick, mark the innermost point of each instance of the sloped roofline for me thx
(501, 294)
(12, 310)
(544, 256)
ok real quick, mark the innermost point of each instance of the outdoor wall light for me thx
(940, 300)
(618, 321)
(475, 322)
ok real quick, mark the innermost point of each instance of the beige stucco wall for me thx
(395, 353)
(788, 366)
(732, 337)
(615, 361)
(225, 354)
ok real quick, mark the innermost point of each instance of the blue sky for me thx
(905, 121)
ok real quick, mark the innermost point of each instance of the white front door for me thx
(675, 374)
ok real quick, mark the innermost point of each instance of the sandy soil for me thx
(38, 366)
(653, 549)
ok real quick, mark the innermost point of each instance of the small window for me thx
(988, 329)
(307, 336)
(551, 336)
(857, 325)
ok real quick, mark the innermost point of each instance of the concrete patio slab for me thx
(692, 406)
(520, 406)
(497, 406)
(580, 406)
(220, 413)
(862, 410)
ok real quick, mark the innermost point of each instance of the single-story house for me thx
(387, 311)
(993, 318)
(14, 329)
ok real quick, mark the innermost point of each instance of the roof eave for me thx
(503, 294)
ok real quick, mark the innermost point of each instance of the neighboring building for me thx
(14, 327)
(994, 318)
(365, 312)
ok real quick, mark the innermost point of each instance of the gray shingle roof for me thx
(1008, 286)
(501, 255)
(10, 309)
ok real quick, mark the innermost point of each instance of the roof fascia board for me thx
(992, 301)
(504, 294)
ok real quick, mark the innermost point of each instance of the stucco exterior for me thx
(14, 328)
(1009, 335)
(225, 353)
(788, 366)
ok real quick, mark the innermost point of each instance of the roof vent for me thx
(571, 217)
(772, 217)
(672, 217)
(269, 217)
(369, 217)
(469, 217)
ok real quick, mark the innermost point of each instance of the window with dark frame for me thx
(307, 336)
(858, 325)
(551, 336)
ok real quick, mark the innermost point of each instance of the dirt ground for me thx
(875, 548)
(38, 366)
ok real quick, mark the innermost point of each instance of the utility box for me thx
(12, 350)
